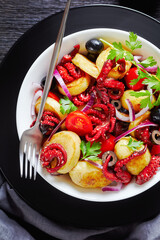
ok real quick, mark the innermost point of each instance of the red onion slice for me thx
(132, 114)
(131, 110)
(62, 84)
(137, 58)
(37, 95)
(89, 104)
(146, 124)
(152, 69)
(93, 163)
(121, 116)
(117, 187)
(56, 128)
(37, 85)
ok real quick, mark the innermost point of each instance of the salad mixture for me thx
(101, 122)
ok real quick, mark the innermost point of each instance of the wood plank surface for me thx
(17, 16)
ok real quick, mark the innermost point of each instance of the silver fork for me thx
(31, 139)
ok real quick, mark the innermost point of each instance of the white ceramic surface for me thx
(23, 117)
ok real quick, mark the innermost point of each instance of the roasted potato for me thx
(114, 73)
(86, 65)
(70, 141)
(86, 175)
(77, 86)
(51, 105)
(135, 101)
(135, 165)
(137, 121)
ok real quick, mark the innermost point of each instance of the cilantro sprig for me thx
(152, 81)
(133, 43)
(145, 101)
(67, 105)
(133, 144)
(117, 51)
(89, 151)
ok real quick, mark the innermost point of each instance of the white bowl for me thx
(23, 117)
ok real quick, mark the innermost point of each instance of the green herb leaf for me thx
(83, 148)
(157, 103)
(140, 93)
(158, 73)
(141, 75)
(148, 62)
(118, 53)
(128, 56)
(133, 144)
(90, 152)
(66, 105)
(144, 102)
(152, 82)
(133, 43)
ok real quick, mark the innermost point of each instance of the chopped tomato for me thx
(54, 96)
(133, 74)
(78, 122)
(155, 150)
(107, 145)
(51, 95)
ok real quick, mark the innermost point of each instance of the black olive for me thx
(53, 83)
(94, 46)
(117, 104)
(155, 115)
(92, 57)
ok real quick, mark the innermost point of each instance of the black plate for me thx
(39, 194)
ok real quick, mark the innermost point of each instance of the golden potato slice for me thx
(138, 120)
(137, 164)
(114, 73)
(86, 65)
(135, 101)
(51, 105)
(70, 141)
(86, 175)
(77, 86)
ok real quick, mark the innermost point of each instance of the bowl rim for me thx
(32, 69)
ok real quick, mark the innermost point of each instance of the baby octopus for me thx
(120, 174)
(68, 71)
(103, 119)
(114, 88)
(53, 153)
(48, 122)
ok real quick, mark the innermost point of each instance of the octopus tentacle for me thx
(114, 86)
(53, 152)
(109, 174)
(120, 169)
(149, 171)
(81, 98)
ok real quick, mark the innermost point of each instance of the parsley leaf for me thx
(141, 75)
(90, 152)
(157, 103)
(145, 101)
(158, 73)
(66, 105)
(133, 144)
(118, 52)
(133, 43)
(152, 82)
(148, 62)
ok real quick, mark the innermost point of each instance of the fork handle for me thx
(54, 60)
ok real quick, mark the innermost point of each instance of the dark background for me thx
(17, 16)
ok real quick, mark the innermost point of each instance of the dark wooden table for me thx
(16, 16)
